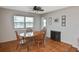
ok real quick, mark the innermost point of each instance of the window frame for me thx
(24, 22)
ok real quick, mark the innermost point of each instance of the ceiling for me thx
(30, 8)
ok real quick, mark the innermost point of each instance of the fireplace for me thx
(56, 35)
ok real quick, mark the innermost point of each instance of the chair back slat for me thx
(40, 36)
(17, 35)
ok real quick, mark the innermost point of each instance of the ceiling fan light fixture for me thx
(37, 8)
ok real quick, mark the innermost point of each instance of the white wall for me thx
(70, 33)
(6, 26)
(37, 23)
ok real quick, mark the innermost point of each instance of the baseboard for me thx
(71, 45)
(76, 47)
(67, 43)
(7, 41)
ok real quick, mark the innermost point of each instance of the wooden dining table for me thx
(29, 36)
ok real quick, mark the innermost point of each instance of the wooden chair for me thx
(44, 29)
(39, 39)
(21, 41)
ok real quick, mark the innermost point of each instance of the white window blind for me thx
(23, 22)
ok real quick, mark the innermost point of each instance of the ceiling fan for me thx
(38, 8)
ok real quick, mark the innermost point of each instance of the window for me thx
(44, 23)
(23, 22)
(29, 22)
(18, 22)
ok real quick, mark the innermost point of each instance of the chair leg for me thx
(28, 48)
(18, 47)
(43, 43)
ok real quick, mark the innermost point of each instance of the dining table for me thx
(29, 36)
